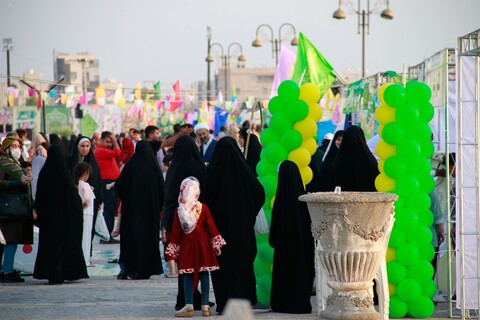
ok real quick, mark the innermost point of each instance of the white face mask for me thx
(16, 153)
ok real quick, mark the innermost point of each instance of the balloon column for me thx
(293, 125)
(404, 151)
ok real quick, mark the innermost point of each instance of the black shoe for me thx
(122, 276)
(12, 278)
(114, 260)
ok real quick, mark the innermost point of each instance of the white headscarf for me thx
(189, 208)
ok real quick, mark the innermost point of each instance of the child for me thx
(194, 241)
(81, 173)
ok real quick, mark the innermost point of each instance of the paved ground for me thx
(104, 297)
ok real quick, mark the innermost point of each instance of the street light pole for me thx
(363, 22)
(7, 46)
(276, 43)
(209, 39)
(225, 58)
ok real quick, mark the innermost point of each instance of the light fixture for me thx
(257, 43)
(242, 58)
(339, 13)
(210, 58)
(387, 13)
(294, 41)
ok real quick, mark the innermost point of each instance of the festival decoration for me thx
(293, 125)
(404, 150)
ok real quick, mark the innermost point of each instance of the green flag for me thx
(156, 86)
(312, 67)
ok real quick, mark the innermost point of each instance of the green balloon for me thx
(422, 307)
(426, 111)
(276, 104)
(421, 271)
(291, 139)
(297, 110)
(419, 201)
(419, 131)
(407, 114)
(274, 153)
(394, 95)
(408, 150)
(265, 282)
(400, 203)
(419, 236)
(427, 183)
(398, 307)
(406, 219)
(265, 252)
(263, 296)
(407, 254)
(396, 272)
(288, 91)
(280, 123)
(261, 267)
(269, 184)
(417, 92)
(409, 290)
(394, 167)
(427, 252)
(265, 168)
(429, 288)
(407, 185)
(419, 167)
(397, 238)
(393, 133)
(268, 136)
(425, 217)
(427, 149)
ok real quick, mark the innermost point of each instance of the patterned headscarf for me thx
(189, 208)
(7, 142)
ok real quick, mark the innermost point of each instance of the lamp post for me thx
(44, 122)
(275, 42)
(226, 60)
(363, 22)
(209, 40)
(8, 46)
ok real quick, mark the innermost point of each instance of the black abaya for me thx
(60, 220)
(324, 179)
(140, 186)
(254, 149)
(234, 196)
(293, 244)
(354, 168)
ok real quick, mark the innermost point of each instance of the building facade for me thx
(82, 70)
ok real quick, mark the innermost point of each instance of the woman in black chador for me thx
(325, 183)
(140, 187)
(60, 220)
(293, 244)
(234, 196)
(354, 168)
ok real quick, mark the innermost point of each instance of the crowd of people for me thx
(196, 192)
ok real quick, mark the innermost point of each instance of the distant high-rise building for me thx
(80, 70)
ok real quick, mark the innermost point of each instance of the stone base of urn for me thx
(351, 232)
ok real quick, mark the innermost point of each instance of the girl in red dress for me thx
(195, 242)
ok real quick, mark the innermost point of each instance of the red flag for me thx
(176, 102)
(39, 100)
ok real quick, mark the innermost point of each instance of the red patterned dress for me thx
(195, 250)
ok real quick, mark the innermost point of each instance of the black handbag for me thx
(15, 207)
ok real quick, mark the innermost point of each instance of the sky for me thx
(160, 40)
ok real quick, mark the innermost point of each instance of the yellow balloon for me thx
(272, 202)
(379, 130)
(310, 144)
(307, 174)
(385, 114)
(392, 289)
(383, 183)
(315, 112)
(390, 256)
(300, 156)
(381, 91)
(307, 128)
(309, 93)
(385, 150)
(381, 163)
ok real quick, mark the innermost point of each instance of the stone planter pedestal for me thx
(351, 231)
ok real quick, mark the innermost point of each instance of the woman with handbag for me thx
(17, 226)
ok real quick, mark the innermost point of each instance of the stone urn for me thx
(351, 232)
